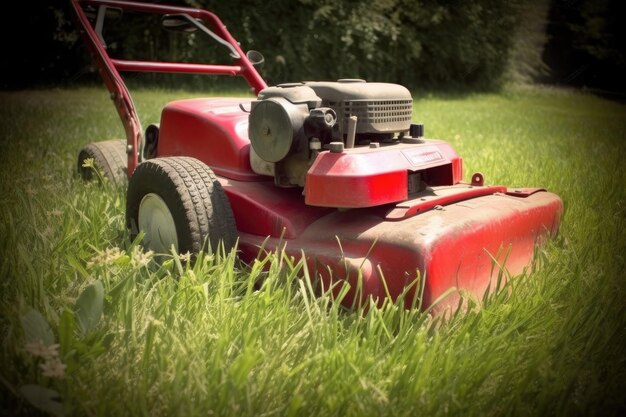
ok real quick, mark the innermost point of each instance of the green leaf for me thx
(44, 399)
(108, 339)
(37, 328)
(89, 307)
(115, 293)
(122, 260)
(77, 266)
(67, 329)
(242, 366)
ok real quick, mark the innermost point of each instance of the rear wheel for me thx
(109, 158)
(178, 201)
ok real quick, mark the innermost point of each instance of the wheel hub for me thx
(156, 221)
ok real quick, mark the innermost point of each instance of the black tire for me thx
(109, 158)
(194, 199)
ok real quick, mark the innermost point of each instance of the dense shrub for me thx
(417, 43)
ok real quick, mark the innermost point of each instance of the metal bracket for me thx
(523, 192)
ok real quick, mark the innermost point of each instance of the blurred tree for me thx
(419, 43)
(414, 42)
(586, 46)
(526, 64)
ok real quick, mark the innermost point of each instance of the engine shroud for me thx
(290, 125)
(380, 108)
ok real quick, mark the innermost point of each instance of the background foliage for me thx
(475, 44)
(410, 42)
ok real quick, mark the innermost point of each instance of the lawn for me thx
(139, 338)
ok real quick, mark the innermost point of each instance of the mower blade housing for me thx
(461, 245)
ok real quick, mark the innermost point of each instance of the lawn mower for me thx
(334, 173)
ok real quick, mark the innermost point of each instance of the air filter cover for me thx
(276, 125)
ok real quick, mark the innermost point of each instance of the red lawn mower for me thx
(332, 172)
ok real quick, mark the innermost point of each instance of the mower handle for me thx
(109, 68)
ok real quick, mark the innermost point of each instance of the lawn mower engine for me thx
(291, 123)
(366, 127)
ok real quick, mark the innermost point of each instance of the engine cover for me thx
(277, 128)
(379, 107)
(290, 124)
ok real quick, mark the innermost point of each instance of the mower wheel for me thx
(179, 201)
(109, 158)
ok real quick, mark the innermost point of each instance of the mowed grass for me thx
(219, 339)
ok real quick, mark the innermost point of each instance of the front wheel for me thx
(177, 201)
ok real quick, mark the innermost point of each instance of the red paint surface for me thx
(363, 177)
(453, 247)
(110, 68)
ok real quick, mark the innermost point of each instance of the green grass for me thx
(176, 340)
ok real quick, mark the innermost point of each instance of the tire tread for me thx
(208, 218)
(109, 157)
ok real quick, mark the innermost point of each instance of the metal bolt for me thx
(336, 147)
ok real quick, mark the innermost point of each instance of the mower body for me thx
(453, 236)
(387, 213)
